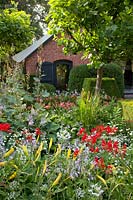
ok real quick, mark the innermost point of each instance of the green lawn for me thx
(128, 110)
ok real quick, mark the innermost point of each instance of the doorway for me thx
(128, 75)
(62, 68)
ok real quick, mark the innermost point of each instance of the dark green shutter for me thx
(47, 73)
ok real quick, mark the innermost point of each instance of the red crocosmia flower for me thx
(99, 128)
(111, 130)
(29, 138)
(84, 138)
(109, 169)
(114, 129)
(93, 130)
(89, 139)
(108, 129)
(76, 152)
(124, 149)
(110, 146)
(99, 162)
(107, 146)
(94, 150)
(94, 138)
(38, 131)
(104, 144)
(98, 134)
(81, 131)
(96, 160)
(5, 127)
(116, 147)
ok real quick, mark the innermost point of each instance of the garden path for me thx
(128, 93)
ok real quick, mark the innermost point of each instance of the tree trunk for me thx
(98, 81)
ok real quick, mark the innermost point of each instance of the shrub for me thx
(77, 75)
(109, 86)
(113, 70)
(48, 87)
(41, 88)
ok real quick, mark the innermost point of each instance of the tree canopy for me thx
(36, 8)
(101, 29)
(16, 32)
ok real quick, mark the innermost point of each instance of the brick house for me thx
(55, 66)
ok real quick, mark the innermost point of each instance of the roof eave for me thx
(19, 57)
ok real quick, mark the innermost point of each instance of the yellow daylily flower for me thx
(57, 179)
(13, 175)
(8, 153)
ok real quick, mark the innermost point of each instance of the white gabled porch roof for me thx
(29, 50)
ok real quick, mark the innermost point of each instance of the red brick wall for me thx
(51, 52)
(31, 64)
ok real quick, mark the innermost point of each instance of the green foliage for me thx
(113, 70)
(96, 28)
(31, 83)
(35, 8)
(32, 170)
(15, 30)
(127, 106)
(77, 75)
(22, 108)
(48, 87)
(37, 88)
(52, 159)
(112, 113)
(42, 89)
(89, 107)
(55, 100)
(16, 34)
(109, 86)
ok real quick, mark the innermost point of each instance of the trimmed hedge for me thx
(109, 85)
(77, 75)
(113, 70)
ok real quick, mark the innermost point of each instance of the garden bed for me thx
(63, 146)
